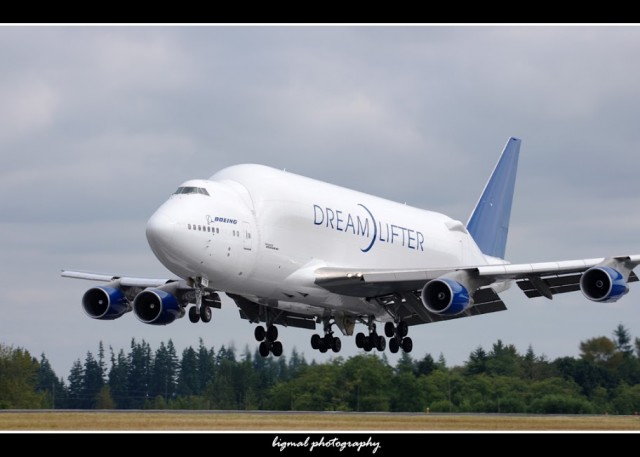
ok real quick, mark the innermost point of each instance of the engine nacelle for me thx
(105, 303)
(603, 284)
(155, 306)
(445, 296)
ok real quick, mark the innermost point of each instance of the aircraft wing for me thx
(390, 287)
(124, 280)
(131, 286)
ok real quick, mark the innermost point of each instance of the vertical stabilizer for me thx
(489, 221)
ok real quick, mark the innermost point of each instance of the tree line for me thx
(604, 379)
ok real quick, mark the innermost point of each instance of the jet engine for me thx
(157, 307)
(105, 303)
(603, 284)
(445, 296)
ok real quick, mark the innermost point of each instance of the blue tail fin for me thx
(489, 222)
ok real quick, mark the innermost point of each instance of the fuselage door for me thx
(246, 229)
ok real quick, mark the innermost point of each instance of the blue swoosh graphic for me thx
(375, 229)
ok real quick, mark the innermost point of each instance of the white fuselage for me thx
(261, 233)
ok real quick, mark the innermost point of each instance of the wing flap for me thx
(486, 301)
(557, 284)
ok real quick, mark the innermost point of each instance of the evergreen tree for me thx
(205, 366)
(163, 377)
(404, 364)
(503, 360)
(189, 379)
(49, 384)
(425, 366)
(477, 362)
(92, 381)
(622, 340)
(296, 363)
(139, 363)
(118, 380)
(76, 386)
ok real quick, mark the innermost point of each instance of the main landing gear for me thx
(373, 340)
(398, 336)
(268, 340)
(323, 344)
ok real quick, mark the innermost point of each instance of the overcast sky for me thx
(99, 125)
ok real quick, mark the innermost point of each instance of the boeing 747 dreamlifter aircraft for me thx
(293, 251)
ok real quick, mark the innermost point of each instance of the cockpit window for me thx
(191, 190)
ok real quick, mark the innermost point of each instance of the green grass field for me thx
(214, 421)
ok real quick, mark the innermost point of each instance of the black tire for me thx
(272, 333)
(403, 329)
(322, 347)
(315, 341)
(264, 349)
(259, 333)
(367, 345)
(389, 329)
(336, 344)
(394, 345)
(205, 314)
(407, 344)
(276, 348)
(193, 315)
(381, 344)
(360, 338)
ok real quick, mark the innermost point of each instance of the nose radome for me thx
(159, 231)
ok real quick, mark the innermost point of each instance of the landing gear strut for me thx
(373, 340)
(323, 344)
(398, 336)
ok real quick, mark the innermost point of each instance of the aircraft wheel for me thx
(315, 341)
(360, 338)
(259, 333)
(322, 347)
(272, 333)
(264, 349)
(381, 344)
(394, 345)
(336, 344)
(367, 345)
(407, 344)
(205, 314)
(276, 348)
(403, 328)
(389, 329)
(193, 315)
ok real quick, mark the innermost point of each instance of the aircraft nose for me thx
(160, 227)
